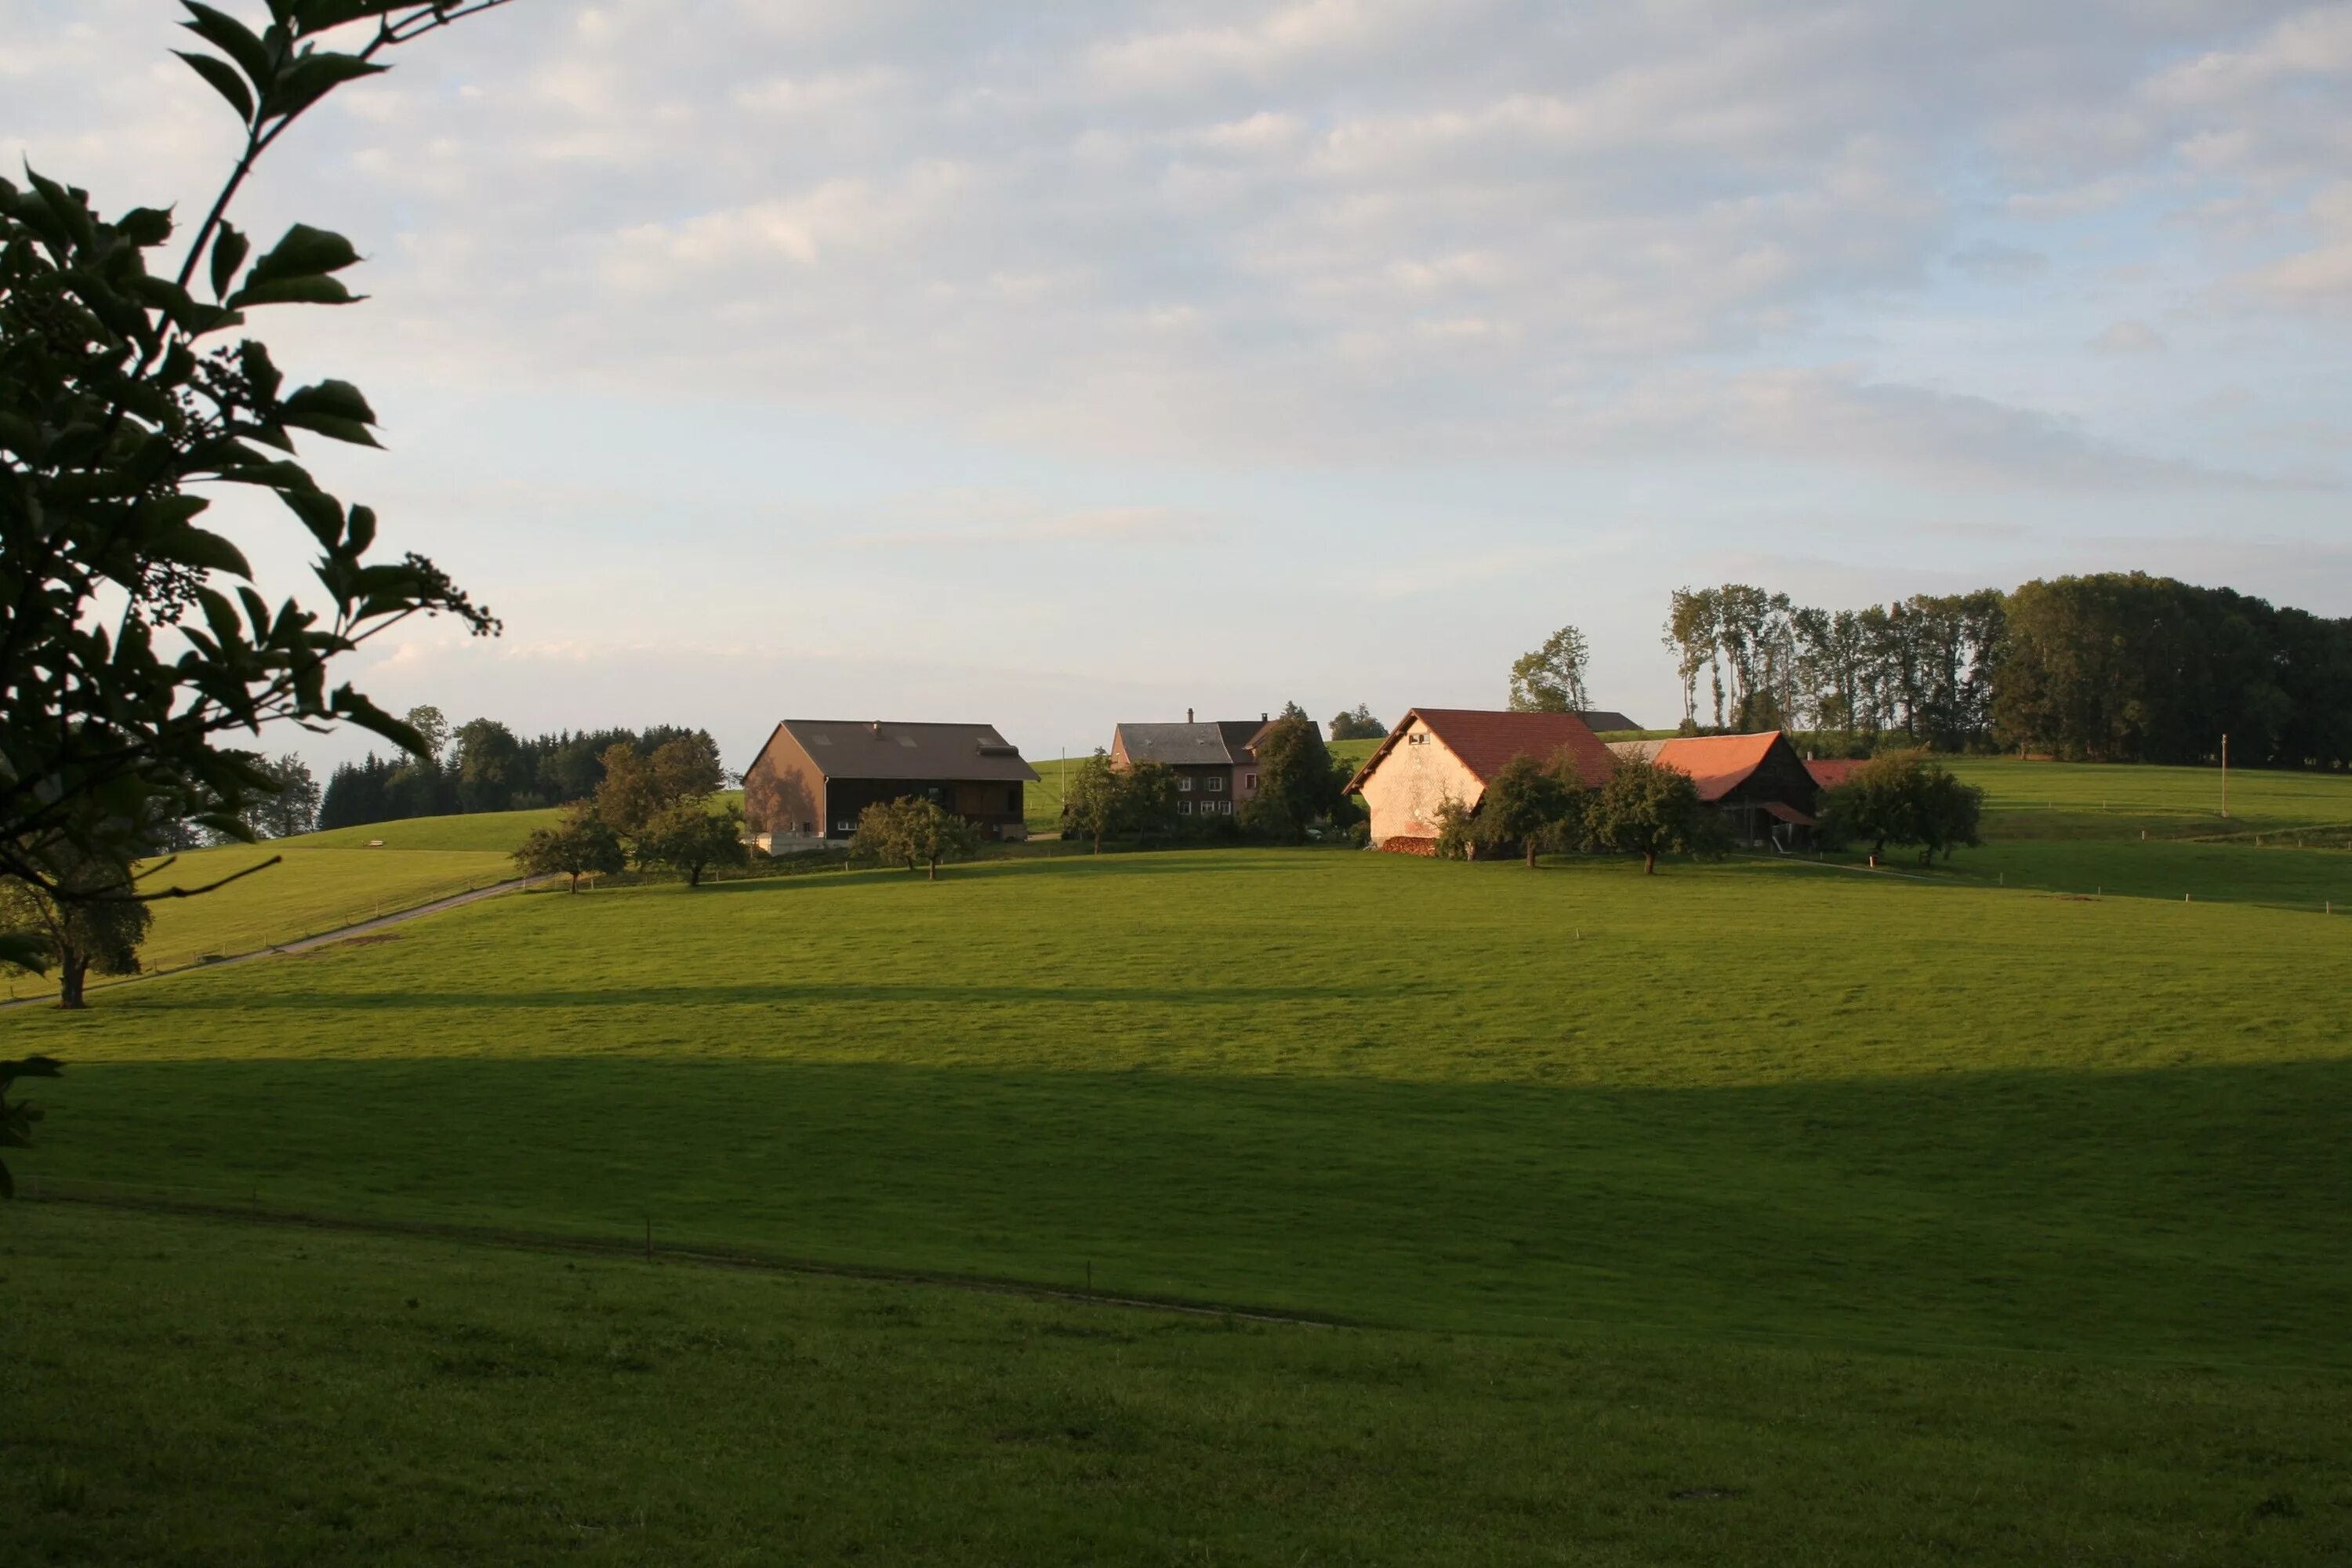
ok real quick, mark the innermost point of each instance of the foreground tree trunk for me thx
(73, 969)
(1531, 854)
(1649, 862)
(932, 875)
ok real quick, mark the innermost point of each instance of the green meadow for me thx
(1932, 1218)
(198, 1391)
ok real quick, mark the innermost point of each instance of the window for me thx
(1225, 807)
(1417, 739)
(1184, 808)
(1013, 801)
(1184, 783)
(1216, 784)
(844, 828)
(1252, 785)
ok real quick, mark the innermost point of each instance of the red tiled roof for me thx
(1833, 772)
(1485, 740)
(1717, 764)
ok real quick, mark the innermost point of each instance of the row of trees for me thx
(1531, 808)
(2116, 667)
(650, 809)
(1922, 668)
(483, 766)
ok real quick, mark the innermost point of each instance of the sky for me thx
(1055, 366)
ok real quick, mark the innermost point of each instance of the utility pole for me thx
(2225, 778)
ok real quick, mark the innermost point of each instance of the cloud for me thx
(2125, 338)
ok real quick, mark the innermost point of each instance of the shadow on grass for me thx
(2182, 1214)
(780, 994)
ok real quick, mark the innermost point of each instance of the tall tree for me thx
(131, 640)
(1551, 678)
(490, 766)
(1297, 786)
(1690, 632)
(293, 807)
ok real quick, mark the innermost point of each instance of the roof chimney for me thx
(1263, 716)
(1188, 715)
(876, 726)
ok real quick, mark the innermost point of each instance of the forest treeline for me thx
(482, 766)
(2116, 666)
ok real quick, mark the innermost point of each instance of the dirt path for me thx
(324, 939)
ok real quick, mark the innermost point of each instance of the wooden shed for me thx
(814, 776)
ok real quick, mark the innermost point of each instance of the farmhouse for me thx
(1605, 720)
(814, 776)
(1436, 754)
(1215, 764)
(1758, 782)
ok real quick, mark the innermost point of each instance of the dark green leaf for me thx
(223, 79)
(144, 226)
(338, 399)
(191, 546)
(233, 38)
(302, 251)
(310, 77)
(229, 251)
(314, 291)
(72, 214)
(335, 429)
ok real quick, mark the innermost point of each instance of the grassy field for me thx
(308, 891)
(1466, 1097)
(192, 1391)
(1766, 1211)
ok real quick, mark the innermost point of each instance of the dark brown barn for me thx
(1758, 782)
(814, 776)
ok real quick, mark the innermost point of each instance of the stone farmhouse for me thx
(1436, 754)
(1215, 764)
(814, 776)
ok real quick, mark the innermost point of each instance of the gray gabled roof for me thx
(1603, 721)
(883, 749)
(1189, 745)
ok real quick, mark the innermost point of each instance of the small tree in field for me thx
(1091, 805)
(581, 845)
(692, 838)
(1531, 806)
(1650, 811)
(90, 919)
(911, 832)
(1358, 724)
(1904, 797)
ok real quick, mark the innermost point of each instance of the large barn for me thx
(1436, 754)
(1759, 781)
(814, 776)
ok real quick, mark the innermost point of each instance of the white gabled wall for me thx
(1417, 774)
